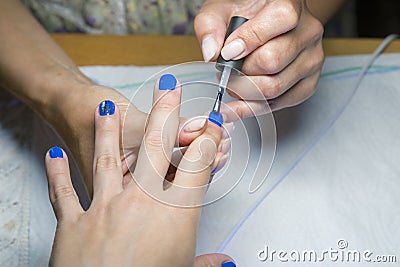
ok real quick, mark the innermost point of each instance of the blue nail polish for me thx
(167, 82)
(56, 152)
(228, 264)
(106, 108)
(216, 118)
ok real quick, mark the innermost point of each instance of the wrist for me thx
(56, 91)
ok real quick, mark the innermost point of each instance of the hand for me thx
(77, 127)
(124, 225)
(283, 44)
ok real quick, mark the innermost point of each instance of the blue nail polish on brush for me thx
(228, 264)
(167, 82)
(106, 108)
(56, 152)
(216, 118)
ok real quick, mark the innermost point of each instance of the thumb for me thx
(190, 129)
(214, 260)
(210, 26)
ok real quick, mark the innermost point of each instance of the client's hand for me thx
(138, 219)
(77, 127)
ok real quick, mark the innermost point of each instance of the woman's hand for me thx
(138, 219)
(77, 127)
(282, 45)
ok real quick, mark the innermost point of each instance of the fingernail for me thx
(228, 130)
(167, 82)
(233, 49)
(56, 152)
(221, 164)
(195, 125)
(209, 47)
(106, 108)
(228, 264)
(226, 146)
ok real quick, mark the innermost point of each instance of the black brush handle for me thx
(236, 65)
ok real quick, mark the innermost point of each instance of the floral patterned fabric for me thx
(116, 16)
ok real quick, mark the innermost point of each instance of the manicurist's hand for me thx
(282, 45)
(138, 218)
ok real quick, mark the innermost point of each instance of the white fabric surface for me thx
(346, 187)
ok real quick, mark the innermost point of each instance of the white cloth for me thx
(346, 187)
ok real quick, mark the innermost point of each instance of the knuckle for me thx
(154, 139)
(318, 60)
(290, 12)
(273, 88)
(203, 18)
(164, 106)
(107, 131)
(62, 191)
(317, 30)
(253, 34)
(270, 62)
(240, 111)
(106, 162)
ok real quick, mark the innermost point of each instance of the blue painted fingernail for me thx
(228, 264)
(106, 108)
(216, 118)
(167, 82)
(56, 152)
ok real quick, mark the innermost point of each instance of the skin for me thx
(282, 43)
(118, 228)
(38, 72)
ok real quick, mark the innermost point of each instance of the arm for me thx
(37, 71)
(32, 66)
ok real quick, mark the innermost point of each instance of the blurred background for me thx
(366, 18)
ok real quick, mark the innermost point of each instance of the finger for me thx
(279, 52)
(107, 169)
(240, 109)
(194, 170)
(274, 19)
(161, 131)
(210, 26)
(190, 129)
(214, 260)
(176, 158)
(298, 94)
(221, 158)
(62, 194)
(271, 86)
(219, 162)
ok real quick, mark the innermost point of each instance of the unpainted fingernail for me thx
(228, 130)
(221, 163)
(209, 47)
(195, 125)
(56, 152)
(233, 49)
(167, 82)
(226, 145)
(106, 108)
(228, 264)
